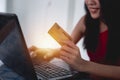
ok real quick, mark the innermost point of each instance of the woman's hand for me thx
(43, 53)
(70, 53)
(32, 51)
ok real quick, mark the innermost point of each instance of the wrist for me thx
(84, 66)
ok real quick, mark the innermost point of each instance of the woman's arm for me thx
(78, 30)
(70, 53)
(102, 70)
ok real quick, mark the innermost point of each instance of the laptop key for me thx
(50, 70)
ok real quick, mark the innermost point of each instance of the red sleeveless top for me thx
(99, 55)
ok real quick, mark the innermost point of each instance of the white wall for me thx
(37, 16)
(2, 5)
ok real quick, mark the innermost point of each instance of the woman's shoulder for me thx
(82, 19)
(81, 24)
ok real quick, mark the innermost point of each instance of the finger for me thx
(70, 50)
(69, 43)
(67, 49)
(33, 55)
(32, 48)
(66, 59)
(48, 57)
(52, 53)
(65, 54)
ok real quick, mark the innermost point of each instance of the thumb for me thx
(48, 56)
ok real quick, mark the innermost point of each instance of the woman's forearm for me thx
(107, 71)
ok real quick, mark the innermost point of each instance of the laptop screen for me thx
(13, 49)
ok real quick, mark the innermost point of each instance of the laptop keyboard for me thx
(50, 70)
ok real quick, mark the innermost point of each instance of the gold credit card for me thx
(59, 34)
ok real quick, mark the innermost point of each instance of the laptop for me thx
(14, 53)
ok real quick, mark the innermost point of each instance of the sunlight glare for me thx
(46, 41)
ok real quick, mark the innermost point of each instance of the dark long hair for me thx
(111, 8)
(110, 16)
(92, 32)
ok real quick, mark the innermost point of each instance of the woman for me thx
(99, 28)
